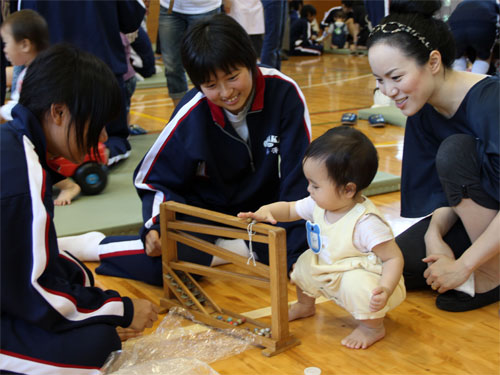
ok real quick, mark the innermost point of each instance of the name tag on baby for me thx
(317, 243)
(313, 237)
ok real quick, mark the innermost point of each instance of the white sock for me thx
(84, 247)
(480, 66)
(468, 286)
(237, 246)
(460, 64)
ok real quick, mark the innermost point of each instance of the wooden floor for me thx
(420, 338)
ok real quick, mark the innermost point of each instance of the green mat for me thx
(117, 210)
(383, 183)
(156, 80)
(391, 114)
(344, 51)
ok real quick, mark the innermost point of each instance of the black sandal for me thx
(456, 301)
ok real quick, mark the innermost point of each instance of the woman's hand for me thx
(153, 243)
(444, 273)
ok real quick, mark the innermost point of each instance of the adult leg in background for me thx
(117, 143)
(171, 29)
(273, 19)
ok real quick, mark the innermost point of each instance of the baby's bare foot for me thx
(362, 337)
(300, 310)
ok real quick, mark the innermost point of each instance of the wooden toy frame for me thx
(178, 282)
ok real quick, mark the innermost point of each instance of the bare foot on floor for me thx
(300, 310)
(69, 190)
(362, 337)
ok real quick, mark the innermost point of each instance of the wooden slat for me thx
(215, 250)
(205, 294)
(216, 231)
(219, 217)
(167, 243)
(186, 290)
(278, 277)
(198, 269)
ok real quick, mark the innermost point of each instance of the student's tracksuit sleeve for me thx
(164, 173)
(38, 285)
(327, 19)
(295, 137)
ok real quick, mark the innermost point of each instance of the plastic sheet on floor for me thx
(177, 347)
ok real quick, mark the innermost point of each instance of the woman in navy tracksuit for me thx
(53, 319)
(234, 143)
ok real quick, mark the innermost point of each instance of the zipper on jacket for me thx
(252, 165)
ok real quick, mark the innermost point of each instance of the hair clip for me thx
(396, 27)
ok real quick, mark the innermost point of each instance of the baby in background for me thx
(338, 29)
(353, 258)
(24, 34)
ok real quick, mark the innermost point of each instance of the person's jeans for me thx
(171, 29)
(274, 19)
(130, 85)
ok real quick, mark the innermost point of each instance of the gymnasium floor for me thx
(420, 338)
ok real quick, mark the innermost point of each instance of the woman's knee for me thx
(459, 170)
(456, 151)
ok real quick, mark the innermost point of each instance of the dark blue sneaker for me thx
(136, 130)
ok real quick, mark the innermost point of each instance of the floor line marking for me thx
(335, 82)
(149, 116)
(158, 100)
(388, 144)
(164, 105)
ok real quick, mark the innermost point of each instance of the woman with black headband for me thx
(450, 157)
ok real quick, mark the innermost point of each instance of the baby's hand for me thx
(262, 214)
(380, 295)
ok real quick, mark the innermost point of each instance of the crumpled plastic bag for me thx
(177, 349)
